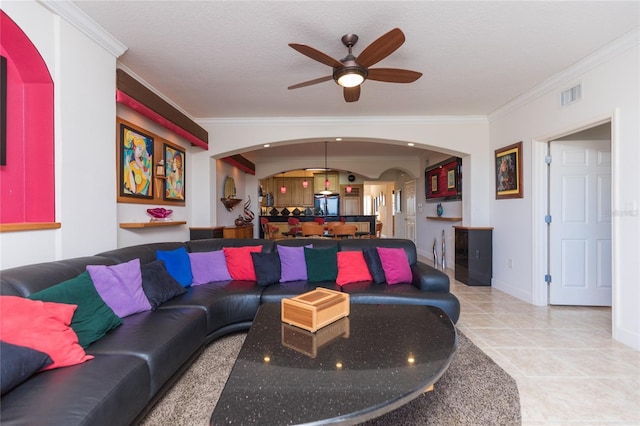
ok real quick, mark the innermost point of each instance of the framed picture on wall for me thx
(174, 184)
(451, 179)
(443, 181)
(508, 169)
(135, 163)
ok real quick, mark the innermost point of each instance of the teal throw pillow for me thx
(322, 264)
(93, 318)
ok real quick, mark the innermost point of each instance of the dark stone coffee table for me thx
(360, 367)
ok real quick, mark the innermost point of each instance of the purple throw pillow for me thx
(395, 264)
(208, 266)
(293, 266)
(120, 286)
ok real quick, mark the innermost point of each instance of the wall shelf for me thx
(230, 203)
(446, 219)
(29, 226)
(138, 225)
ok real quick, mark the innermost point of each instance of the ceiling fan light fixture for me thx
(350, 76)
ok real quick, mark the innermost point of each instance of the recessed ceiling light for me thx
(338, 139)
(266, 145)
(410, 144)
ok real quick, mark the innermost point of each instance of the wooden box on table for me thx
(315, 309)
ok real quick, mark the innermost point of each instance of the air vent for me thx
(571, 95)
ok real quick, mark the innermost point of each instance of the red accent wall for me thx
(27, 191)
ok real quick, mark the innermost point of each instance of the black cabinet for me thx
(473, 255)
(205, 232)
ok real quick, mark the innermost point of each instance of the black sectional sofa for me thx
(135, 363)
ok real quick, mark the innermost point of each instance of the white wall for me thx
(84, 85)
(135, 212)
(246, 188)
(610, 91)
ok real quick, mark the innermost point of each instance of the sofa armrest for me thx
(427, 278)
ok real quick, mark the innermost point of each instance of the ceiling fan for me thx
(350, 72)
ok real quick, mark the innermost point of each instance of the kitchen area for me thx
(305, 195)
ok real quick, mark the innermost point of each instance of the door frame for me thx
(540, 188)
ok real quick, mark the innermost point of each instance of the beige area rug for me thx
(473, 391)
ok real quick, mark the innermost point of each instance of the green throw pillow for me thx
(322, 264)
(92, 318)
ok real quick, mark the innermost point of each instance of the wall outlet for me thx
(510, 263)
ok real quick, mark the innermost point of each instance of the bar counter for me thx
(370, 219)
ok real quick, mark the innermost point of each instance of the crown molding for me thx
(332, 121)
(76, 17)
(610, 51)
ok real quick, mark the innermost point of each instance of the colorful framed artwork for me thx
(443, 181)
(135, 163)
(174, 184)
(508, 169)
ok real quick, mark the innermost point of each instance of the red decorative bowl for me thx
(160, 213)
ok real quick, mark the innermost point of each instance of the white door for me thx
(410, 216)
(580, 230)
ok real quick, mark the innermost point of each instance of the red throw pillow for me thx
(352, 268)
(43, 326)
(240, 263)
(395, 264)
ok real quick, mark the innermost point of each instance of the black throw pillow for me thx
(372, 258)
(267, 267)
(158, 285)
(18, 364)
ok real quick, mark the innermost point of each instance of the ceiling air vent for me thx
(571, 95)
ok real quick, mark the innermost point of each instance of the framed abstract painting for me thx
(135, 163)
(174, 184)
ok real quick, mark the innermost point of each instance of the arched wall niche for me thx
(27, 192)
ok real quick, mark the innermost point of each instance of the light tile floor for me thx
(568, 368)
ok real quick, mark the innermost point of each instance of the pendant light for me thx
(326, 173)
(283, 188)
(305, 182)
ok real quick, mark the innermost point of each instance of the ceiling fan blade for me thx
(311, 82)
(315, 54)
(352, 94)
(393, 75)
(381, 48)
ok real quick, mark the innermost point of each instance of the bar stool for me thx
(344, 231)
(268, 229)
(294, 227)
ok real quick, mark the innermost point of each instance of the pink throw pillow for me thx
(352, 268)
(43, 326)
(240, 263)
(395, 265)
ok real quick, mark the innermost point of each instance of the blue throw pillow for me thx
(178, 265)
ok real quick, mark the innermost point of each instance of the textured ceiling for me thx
(231, 58)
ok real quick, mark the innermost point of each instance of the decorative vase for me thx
(439, 209)
(248, 214)
(239, 221)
